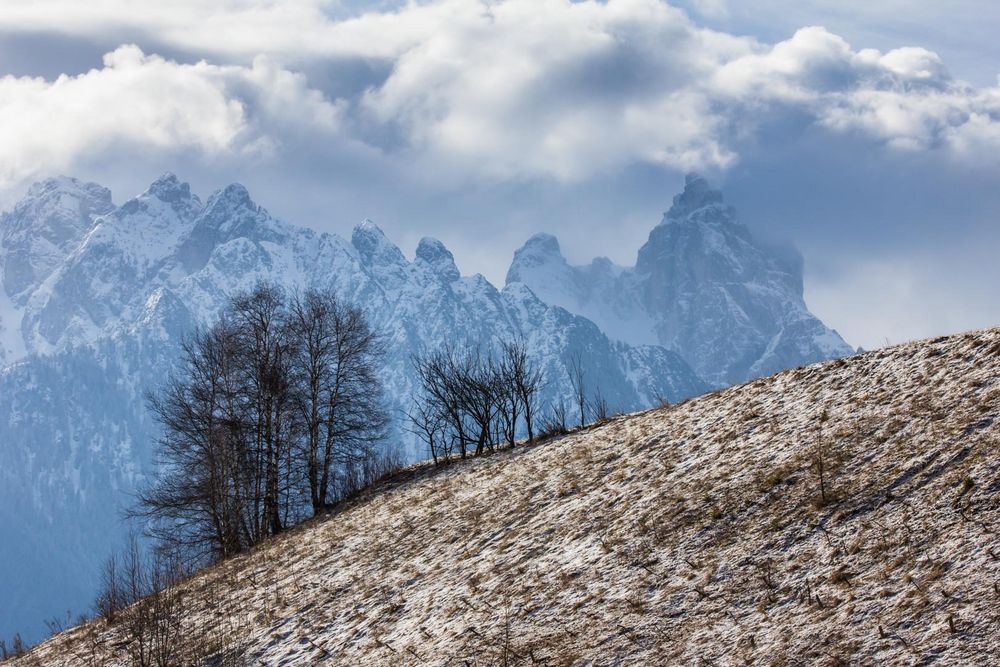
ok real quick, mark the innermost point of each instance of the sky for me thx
(866, 133)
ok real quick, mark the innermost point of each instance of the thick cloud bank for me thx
(478, 90)
(144, 102)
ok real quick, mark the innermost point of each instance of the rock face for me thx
(96, 299)
(35, 239)
(45, 227)
(701, 286)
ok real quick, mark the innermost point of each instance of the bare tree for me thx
(265, 356)
(524, 381)
(337, 389)
(441, 375)
(481, 394)
(204, 496)
(577, 380)
(508, 403)
(268, 410)
(467, 398)
(430, 423)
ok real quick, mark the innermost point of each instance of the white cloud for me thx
(910, 63)
(485, 90)
(289, 31)
(545, 88)
(138, 102)
(552, 88)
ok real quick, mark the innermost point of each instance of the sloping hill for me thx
(695, 534)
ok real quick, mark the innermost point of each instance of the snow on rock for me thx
(35, 238)
(700, 533)
(438, 258)
(43, 229)
(702, 287)
(112, 268)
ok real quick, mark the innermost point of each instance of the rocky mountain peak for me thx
(232, 211)
(44, 227)
(164, 194)
(87, 194)
(434, 253)
(233, 196)
(697, 194)
(169, 188)
(58, 202)
(373, 246)
(228, 214)
(542, 244)
(702, 286)
(540, 254)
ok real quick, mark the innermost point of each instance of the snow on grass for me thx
(691, 534)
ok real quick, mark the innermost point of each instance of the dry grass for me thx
(692, 534)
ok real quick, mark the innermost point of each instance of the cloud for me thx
(291, 32)
(904, 99)
(479, 91)
(557, 89)
(139, 102)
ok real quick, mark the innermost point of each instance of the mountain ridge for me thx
(701, 286)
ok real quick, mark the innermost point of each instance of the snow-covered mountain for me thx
(96, 299)
(702, 286)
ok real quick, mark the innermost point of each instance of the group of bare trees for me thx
(273, 414)
(470, 401)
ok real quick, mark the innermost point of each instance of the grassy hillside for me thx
(694, 534)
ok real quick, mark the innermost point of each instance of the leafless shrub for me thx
(356, 476)
(223, 644)
(111, 595)
(16, 649)
(57, 624)
(555, 423)
(472, 401)
(599, 407)
(138, 597)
